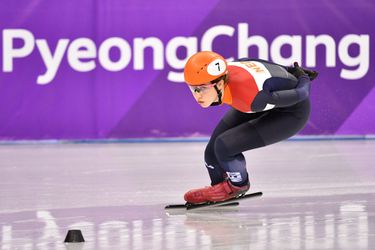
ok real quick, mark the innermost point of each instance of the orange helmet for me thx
(203, 67)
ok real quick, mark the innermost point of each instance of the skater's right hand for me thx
(298, 71)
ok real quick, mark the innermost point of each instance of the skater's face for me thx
(206, 94)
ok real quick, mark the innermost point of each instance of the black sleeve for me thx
(282, 98)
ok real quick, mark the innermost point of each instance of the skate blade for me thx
(185, 206)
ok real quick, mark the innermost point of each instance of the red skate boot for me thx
(219, 192)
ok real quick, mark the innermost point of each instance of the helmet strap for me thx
(219, 96)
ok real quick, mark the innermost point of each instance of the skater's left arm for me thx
(284, 98)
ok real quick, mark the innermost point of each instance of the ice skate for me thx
(219, 192)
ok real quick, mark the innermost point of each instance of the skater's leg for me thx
(231, 119)
(283, 123)
(229, 147)
(274, 126)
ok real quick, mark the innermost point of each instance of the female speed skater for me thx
(269, 103)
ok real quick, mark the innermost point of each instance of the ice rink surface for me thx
(316, 195)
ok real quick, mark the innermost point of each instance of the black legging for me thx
(238, 132)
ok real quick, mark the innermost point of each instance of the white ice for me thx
(317, 195)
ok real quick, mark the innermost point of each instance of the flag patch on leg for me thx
(234, 176)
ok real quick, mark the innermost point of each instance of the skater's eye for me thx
(202, 88)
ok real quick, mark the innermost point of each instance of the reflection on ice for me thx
(342, 225)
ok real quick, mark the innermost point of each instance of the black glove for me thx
(298, 71)
(311, 73)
